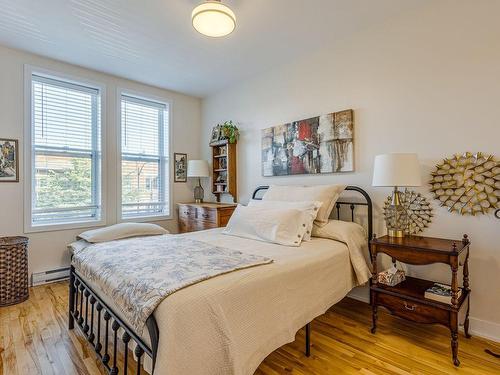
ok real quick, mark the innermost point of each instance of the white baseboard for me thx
(477, 327)
(484, 329)
(359, 294)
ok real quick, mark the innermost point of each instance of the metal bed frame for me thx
(95, 318)
(352, 205)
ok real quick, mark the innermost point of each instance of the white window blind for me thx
(144, 147)
(66, 152)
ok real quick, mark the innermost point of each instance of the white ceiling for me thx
(152, 41)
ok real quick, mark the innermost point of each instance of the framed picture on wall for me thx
(180, 167)
(9, 160)
(321, 144)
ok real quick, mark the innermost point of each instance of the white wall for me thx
(427, 82)
(48, 250)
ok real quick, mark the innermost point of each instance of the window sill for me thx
(29, 228)
(144, 219)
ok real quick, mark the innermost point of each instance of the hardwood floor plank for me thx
(34, 339)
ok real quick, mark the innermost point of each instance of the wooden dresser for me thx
(201, 216)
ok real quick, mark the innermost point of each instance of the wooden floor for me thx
(34, 340)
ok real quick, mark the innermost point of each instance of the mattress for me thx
(230, 323)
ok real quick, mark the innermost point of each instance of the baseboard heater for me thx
(51, 276)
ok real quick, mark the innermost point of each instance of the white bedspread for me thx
(230, 323)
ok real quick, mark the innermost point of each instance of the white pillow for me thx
(122, 230)
(311, 208)
(327, 194)
(285, 226)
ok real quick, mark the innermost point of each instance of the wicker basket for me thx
(13, 270)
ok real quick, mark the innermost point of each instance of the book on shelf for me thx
(441, 293)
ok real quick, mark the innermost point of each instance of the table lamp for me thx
(396, 170)
(198, 168)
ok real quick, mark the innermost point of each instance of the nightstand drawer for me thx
(411, 310)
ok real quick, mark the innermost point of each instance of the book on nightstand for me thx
(441, 293)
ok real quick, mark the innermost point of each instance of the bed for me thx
(227, 324)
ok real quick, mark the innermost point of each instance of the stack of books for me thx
(441, 293)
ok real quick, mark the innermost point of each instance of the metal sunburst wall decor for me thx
(418, 211)
(468, 184)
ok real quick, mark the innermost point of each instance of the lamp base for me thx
(198, 194)
(395, 233)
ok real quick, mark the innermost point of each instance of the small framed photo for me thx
(180, 167)
(9, 160)
(215, 134)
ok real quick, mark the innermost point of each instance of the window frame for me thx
(168, 167)
(29, 227)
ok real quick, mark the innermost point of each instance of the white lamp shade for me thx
(197, 168)
(396, 170)
(213, 19)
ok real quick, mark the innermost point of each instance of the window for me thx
(65, 152)
(144, 161)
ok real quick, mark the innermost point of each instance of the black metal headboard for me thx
(352, 205)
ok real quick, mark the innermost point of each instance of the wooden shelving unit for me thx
(224, 169)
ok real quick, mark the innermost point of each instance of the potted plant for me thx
(229, 131)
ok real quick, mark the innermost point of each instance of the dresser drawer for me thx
(202, 225)
(414, 311)
(187, 212)
(184, 225)
(207, 214)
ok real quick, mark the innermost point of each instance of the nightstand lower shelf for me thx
(413, 289)
(406, 300)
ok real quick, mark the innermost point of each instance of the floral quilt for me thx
(138, 273)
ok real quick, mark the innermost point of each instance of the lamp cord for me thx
(491, 353)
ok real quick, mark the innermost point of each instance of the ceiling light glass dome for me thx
(214, 19)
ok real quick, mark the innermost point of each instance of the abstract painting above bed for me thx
(322, 144)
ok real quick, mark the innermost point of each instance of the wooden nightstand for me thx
(406, 299)
(201, 216)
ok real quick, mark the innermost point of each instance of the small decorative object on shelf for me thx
(391, 277)
(396, 170)
(418, 211)
(468, 184)
(410, 299)
(13, 270)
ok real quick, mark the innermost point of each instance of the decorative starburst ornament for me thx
(418, 212)
(468, 184)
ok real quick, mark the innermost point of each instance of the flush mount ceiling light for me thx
(214, 19)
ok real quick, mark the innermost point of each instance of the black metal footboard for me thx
(95, 319)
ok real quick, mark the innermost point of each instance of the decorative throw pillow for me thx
(283, 226)
(311, 209)
(122, 230)
(327, 194)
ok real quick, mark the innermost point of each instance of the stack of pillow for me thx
(286, 215)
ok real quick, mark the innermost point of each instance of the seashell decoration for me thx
(418, 210)
(468, 184)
